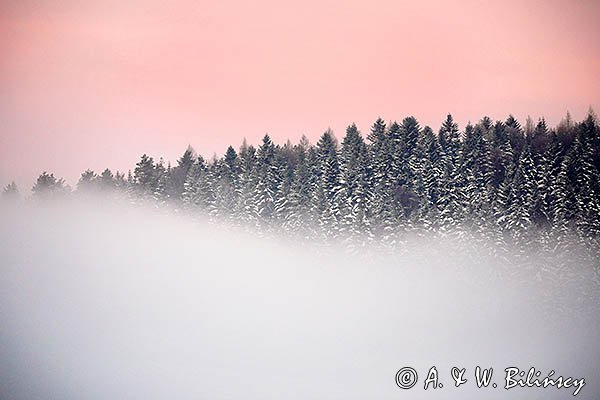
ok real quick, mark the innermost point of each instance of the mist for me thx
(104, 301)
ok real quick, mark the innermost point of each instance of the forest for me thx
(499, 183)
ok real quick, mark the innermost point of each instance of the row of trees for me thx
(507, 183)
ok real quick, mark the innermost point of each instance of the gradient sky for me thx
(96, 84)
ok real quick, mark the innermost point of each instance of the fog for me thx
(115, 302)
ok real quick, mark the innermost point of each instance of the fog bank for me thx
(115, 302)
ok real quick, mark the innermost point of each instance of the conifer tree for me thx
(179, 173)
(452, 189)
(190, 186)
(302, 189)
(144, 175)
(87, 181)
(381, 149)
(406, 166)
(227, 184)
(248, 213)
(515, 136)
(10, 191)
(107, 181)
(477, 174)
(159, 185)
(355, 179)
(266, 181)
(429, 179)
(329, 189)
(521, 200)
(48, 187)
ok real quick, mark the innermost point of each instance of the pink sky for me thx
(96, 85)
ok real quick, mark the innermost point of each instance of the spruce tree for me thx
(87, 182)
(355, 179)
(10, 191)
(144, 175)
(452, 189)
(429, 180)
(179, 173)
(266, 182)
(301, 190)
(382, 147)
(329, 189)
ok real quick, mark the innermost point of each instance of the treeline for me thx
(518, 185)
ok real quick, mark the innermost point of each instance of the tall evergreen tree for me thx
(144, 175)
(382, 148)
(179, 173)
(355, 179)
(329, 189)
(302, 189)
(266, 182)
(452, 189)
